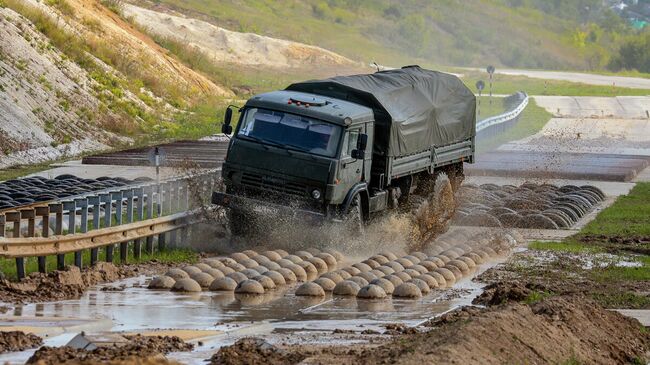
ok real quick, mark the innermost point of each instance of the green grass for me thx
(617, 273)
(532, 120)
(624, 273)
(567, 246)
(18, 171)
(508, 84)
(488, 108)
(627, 300)
(628, 216)
(169, 256)
(537, 296)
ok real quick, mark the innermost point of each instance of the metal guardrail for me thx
(62, 244)
(503, 118)
(124, 216)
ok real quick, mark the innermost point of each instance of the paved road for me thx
(592, 79)
(594, 106)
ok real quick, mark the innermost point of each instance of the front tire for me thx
(353, 219)
(237, 222)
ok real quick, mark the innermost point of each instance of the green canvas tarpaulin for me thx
(414, 108)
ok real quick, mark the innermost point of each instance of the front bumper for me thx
(263, 207)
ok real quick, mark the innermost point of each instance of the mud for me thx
(504, 292)
(565, 273)
(18, 341)
(574, 329)
(71, 282)
(140, 348)
(251, 351)
(615, 244)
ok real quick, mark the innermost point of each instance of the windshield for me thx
(291, 131)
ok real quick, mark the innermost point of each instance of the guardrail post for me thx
(44, 213)
(71, 207)
(138, 193)
(179, 195)
(174, 197)
(165, 201)
(82, 204)
(108, 216)
(185, 198)
(118, 197)
(148, 191)
(128, 195)
(14, 217)
(2, 231)
(94, 201)
(30, 215)
(57, 209)
(168, 197)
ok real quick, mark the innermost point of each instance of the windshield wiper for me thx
(264, 142)
(296, 147)
(282, 146)
(302, 149)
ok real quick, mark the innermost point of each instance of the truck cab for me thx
(295, 150)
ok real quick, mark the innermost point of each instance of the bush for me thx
(116, 6)
(634, 54)
(62, 6)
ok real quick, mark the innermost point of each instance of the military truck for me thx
(347, 147)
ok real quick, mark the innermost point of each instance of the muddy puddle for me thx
(225, 317)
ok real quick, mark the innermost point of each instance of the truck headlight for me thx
(315, 194)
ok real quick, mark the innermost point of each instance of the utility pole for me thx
(490, 71)
(480, 85)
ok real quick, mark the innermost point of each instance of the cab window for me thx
(350, 142)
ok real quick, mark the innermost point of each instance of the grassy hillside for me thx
(575, 34)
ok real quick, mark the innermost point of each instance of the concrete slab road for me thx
(592, 106)
(585, 78)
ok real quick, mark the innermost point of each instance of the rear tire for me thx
(432, 213)
(456, 175)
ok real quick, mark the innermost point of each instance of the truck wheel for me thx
(431, 215)
(456, 175)
(444, 199)
(353, 219)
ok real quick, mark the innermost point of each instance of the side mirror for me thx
(358, 154)
(226, 128)
(362, 142)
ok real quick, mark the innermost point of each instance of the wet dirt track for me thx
(220, 318)
(274, 315)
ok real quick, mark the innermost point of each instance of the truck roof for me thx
(316, 106)
(414, 108)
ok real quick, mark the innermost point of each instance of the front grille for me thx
(273, 184)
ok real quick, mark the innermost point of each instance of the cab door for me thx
(351, 169)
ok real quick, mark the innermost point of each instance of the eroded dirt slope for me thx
(51, 107)
(237, 48)
(100, 26)
(45, 99)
